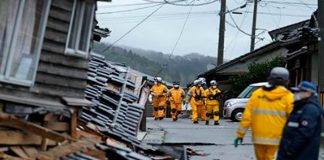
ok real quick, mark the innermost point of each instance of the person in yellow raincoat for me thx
(176, 96)
(213, 96)
(266, 113)
(195, 98)
(159, 97)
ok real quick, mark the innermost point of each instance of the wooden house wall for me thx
(58, 74)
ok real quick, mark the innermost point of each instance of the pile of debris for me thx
(104, 126)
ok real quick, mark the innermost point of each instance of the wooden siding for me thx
(58, 75)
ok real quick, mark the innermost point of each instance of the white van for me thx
(234, 107)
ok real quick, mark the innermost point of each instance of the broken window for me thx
(80, 28)
(22, 29)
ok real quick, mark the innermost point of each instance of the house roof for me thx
(274, 34)
(259, 51)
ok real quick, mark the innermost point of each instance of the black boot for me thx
(155, 118)
(207, 123)
(195, 122)
(216, 123)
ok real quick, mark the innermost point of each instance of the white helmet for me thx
(196, 82)
(213, 83)
(159, 79)
(202, 79)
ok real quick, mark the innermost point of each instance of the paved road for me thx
(210, 142)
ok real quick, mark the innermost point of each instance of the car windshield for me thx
(246, 93)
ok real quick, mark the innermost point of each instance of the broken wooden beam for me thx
(36, 129)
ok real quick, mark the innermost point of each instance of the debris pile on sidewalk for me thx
(105, 127)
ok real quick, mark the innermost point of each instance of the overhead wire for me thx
(133, 28)
(129, 10)
(176, 43)
(176, 3)
(237, 32)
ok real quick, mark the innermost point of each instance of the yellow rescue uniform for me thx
(196, 95)
(266, 113)
(176, 97)
(212, 103)
(159, 97)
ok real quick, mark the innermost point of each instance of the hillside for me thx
(184, 68)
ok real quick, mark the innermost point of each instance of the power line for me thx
(289, 3)
(202, 13)
(133, 28)
(125, 5)
(129, 10)
(176, 3)
(177, 42)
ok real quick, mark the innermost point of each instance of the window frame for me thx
(75, 51)
(8, 55)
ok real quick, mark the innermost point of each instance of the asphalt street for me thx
(203, 142)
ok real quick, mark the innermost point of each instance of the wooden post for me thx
(74, 123)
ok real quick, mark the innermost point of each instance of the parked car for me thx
(234, 107)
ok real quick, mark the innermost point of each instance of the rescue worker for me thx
(266, 113)
(203, 110)
(195, 97)
(302, 133)
(176, 96)
(159, 98)
(213, 97)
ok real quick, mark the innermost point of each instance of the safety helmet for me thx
(279, 76)
(158, 79)
(196, 82)
(202, 79)
(213, 83)
(176, 84)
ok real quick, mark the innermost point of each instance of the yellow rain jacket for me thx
(266, 113)
(211, 92)
(197, 95)
(159, 93)
(176, 95)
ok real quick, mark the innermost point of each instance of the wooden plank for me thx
(64, 60)
(30, 151)
(54, 90)
(44, 144)
(63, 82)
(60, 14)
(19, 151)
(83, 145)
(58, 25)
(66, 5)
(74, 123)
(55, 36)
(36, 129)
(57, 126)
(53, 47)
(63, 71)
(28, 98)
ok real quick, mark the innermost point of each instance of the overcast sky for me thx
(160, 32)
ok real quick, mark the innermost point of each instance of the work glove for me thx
(238, 141)
(150, 98)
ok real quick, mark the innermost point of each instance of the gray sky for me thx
(200, 35)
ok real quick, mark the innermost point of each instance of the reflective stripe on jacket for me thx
(266, 113)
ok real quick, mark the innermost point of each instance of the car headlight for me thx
(230, 103)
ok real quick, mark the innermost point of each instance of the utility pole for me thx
(220, 57)
(320, 18)
(255, 12)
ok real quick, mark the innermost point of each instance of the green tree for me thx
(258, 72)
